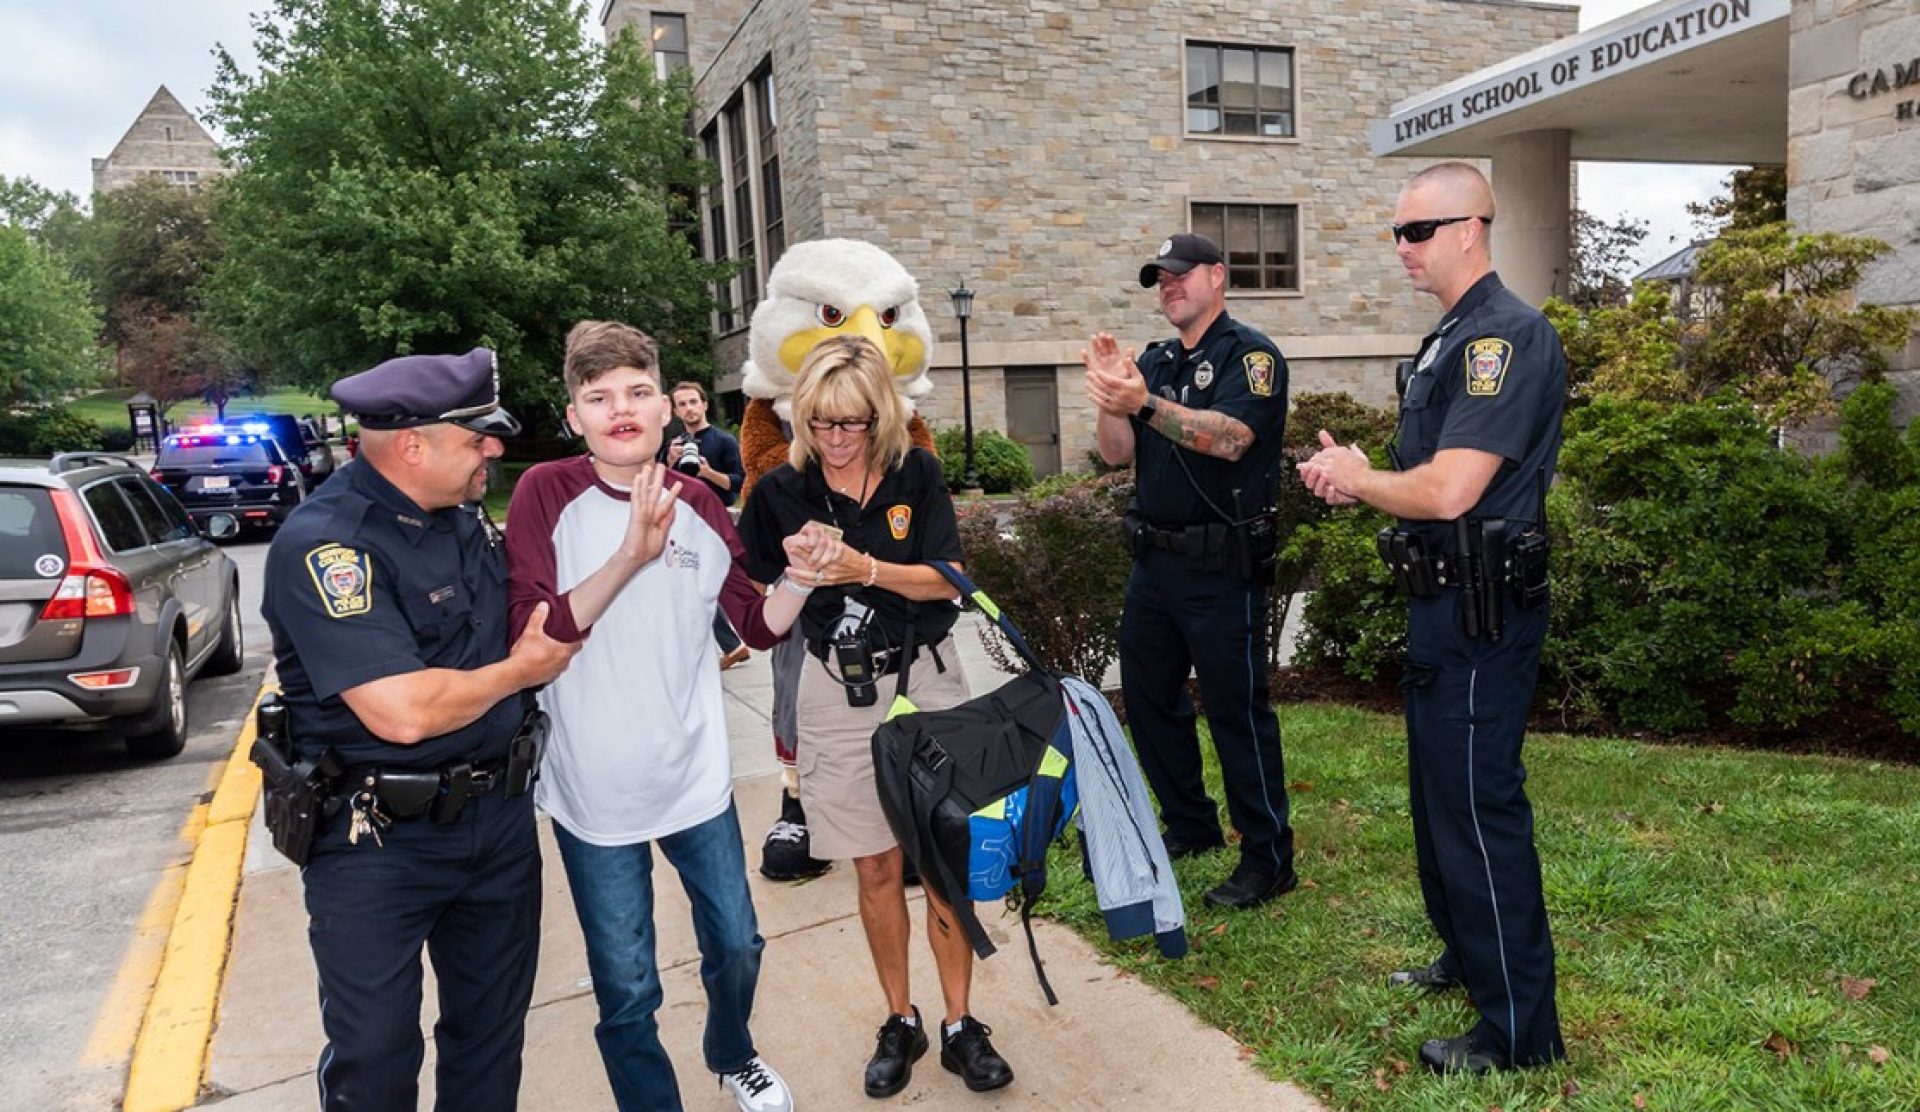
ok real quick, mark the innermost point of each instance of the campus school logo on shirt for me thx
(680, 556)
(898, 519)
(343, 577)
(1487, 362)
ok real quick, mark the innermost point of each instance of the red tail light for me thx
(90, 593)
(91, 589)
(274, 471)
(156, 475)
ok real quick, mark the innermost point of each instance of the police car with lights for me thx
(239, 470)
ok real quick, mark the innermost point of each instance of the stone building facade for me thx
(1040, 150)
(165, 142)
(1853, 148)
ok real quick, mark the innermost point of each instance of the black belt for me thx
(885, 661)
(411, 793)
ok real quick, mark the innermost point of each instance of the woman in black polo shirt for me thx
(850, 521)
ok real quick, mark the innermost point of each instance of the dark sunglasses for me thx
(850, 425)
(1420, 231)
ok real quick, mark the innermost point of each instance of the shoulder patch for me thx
(1487, 362)
(343, 577)
(899, 519)
(1260, 374)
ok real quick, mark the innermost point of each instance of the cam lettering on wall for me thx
(1889, 79)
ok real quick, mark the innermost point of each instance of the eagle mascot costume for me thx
(818, 290)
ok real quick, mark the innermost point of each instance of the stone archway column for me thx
(1532, 232)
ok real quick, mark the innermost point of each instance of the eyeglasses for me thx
(1420, 231)
(851, 424)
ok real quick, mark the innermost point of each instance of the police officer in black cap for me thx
(1479, 436)
(1201, 417)
(386, 595)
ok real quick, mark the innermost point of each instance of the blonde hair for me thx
(847, 376)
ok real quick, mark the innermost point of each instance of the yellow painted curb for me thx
(170, 1056)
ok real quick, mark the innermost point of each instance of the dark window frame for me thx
(1224, 222)
(665, 59)
(1274, 103)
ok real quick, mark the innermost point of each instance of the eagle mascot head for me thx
(836, 287)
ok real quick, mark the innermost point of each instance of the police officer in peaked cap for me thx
(386, 595)
(1479, 437)
(1201, 417)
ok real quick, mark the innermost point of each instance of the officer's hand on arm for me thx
(412, 707)
(1117, 389)
(650, 510)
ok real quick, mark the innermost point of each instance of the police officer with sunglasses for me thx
(1479, 435)
(386, 593)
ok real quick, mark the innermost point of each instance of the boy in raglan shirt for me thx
(632, 557)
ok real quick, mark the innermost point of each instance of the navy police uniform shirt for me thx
(362, 584)
(908, 520)
(1492, 376)
(1234, 370)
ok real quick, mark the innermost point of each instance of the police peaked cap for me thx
(415, 390)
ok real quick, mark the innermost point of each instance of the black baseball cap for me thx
(1180, 254)
(416, 390)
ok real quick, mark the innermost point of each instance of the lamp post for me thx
(963, 309)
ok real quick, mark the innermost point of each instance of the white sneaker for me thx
(757, 1088)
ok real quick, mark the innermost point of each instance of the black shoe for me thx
(785, 854)
(899, 1046)
(1250, 887)
(1433, 978)
(1180, 847)
(970, 1055)
(1460, 1054)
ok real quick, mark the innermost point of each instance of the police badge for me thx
(1487, 361)
(343, 577)
(1203, 375)
(1259, 367)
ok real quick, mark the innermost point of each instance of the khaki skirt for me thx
(835, 761)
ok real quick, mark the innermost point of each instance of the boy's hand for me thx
(649, 518)
(810, 550)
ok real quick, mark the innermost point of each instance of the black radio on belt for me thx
(853, 656)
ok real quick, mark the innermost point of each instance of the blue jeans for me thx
(613, 896)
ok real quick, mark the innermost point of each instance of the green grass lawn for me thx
(1735, 930)
(108, 408)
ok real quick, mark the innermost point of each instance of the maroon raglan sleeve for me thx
(532, 570)
(744, 604)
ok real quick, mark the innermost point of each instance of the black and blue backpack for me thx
(977, 792)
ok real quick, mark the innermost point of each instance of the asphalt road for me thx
(91, 855)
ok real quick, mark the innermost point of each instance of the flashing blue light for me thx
(254, 427)
(233, 440)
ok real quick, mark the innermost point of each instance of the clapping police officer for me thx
(1479, 435)
(1201, 418)
(386, 595)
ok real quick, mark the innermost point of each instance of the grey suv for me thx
(111, 600)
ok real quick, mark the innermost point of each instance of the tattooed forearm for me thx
(1203, 431)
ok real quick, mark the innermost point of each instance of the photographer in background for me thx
(712, 455)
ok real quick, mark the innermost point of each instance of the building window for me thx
(740, 183)
(773, 218)
(669, 40)
(745, 210)
(717, 239)
(1261, 243)
(1239, 91)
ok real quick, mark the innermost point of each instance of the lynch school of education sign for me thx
(1584, 59)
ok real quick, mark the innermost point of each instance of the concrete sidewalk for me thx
(1112, 1043)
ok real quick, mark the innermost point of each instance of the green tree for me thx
(1602, 258)
(47, 324)
(54, 220)
(1781, 326)
(1755, 197)
(438, 174)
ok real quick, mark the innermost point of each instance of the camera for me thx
(688, 462)
(854, 657)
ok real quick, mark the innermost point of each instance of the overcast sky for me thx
(73, 76)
